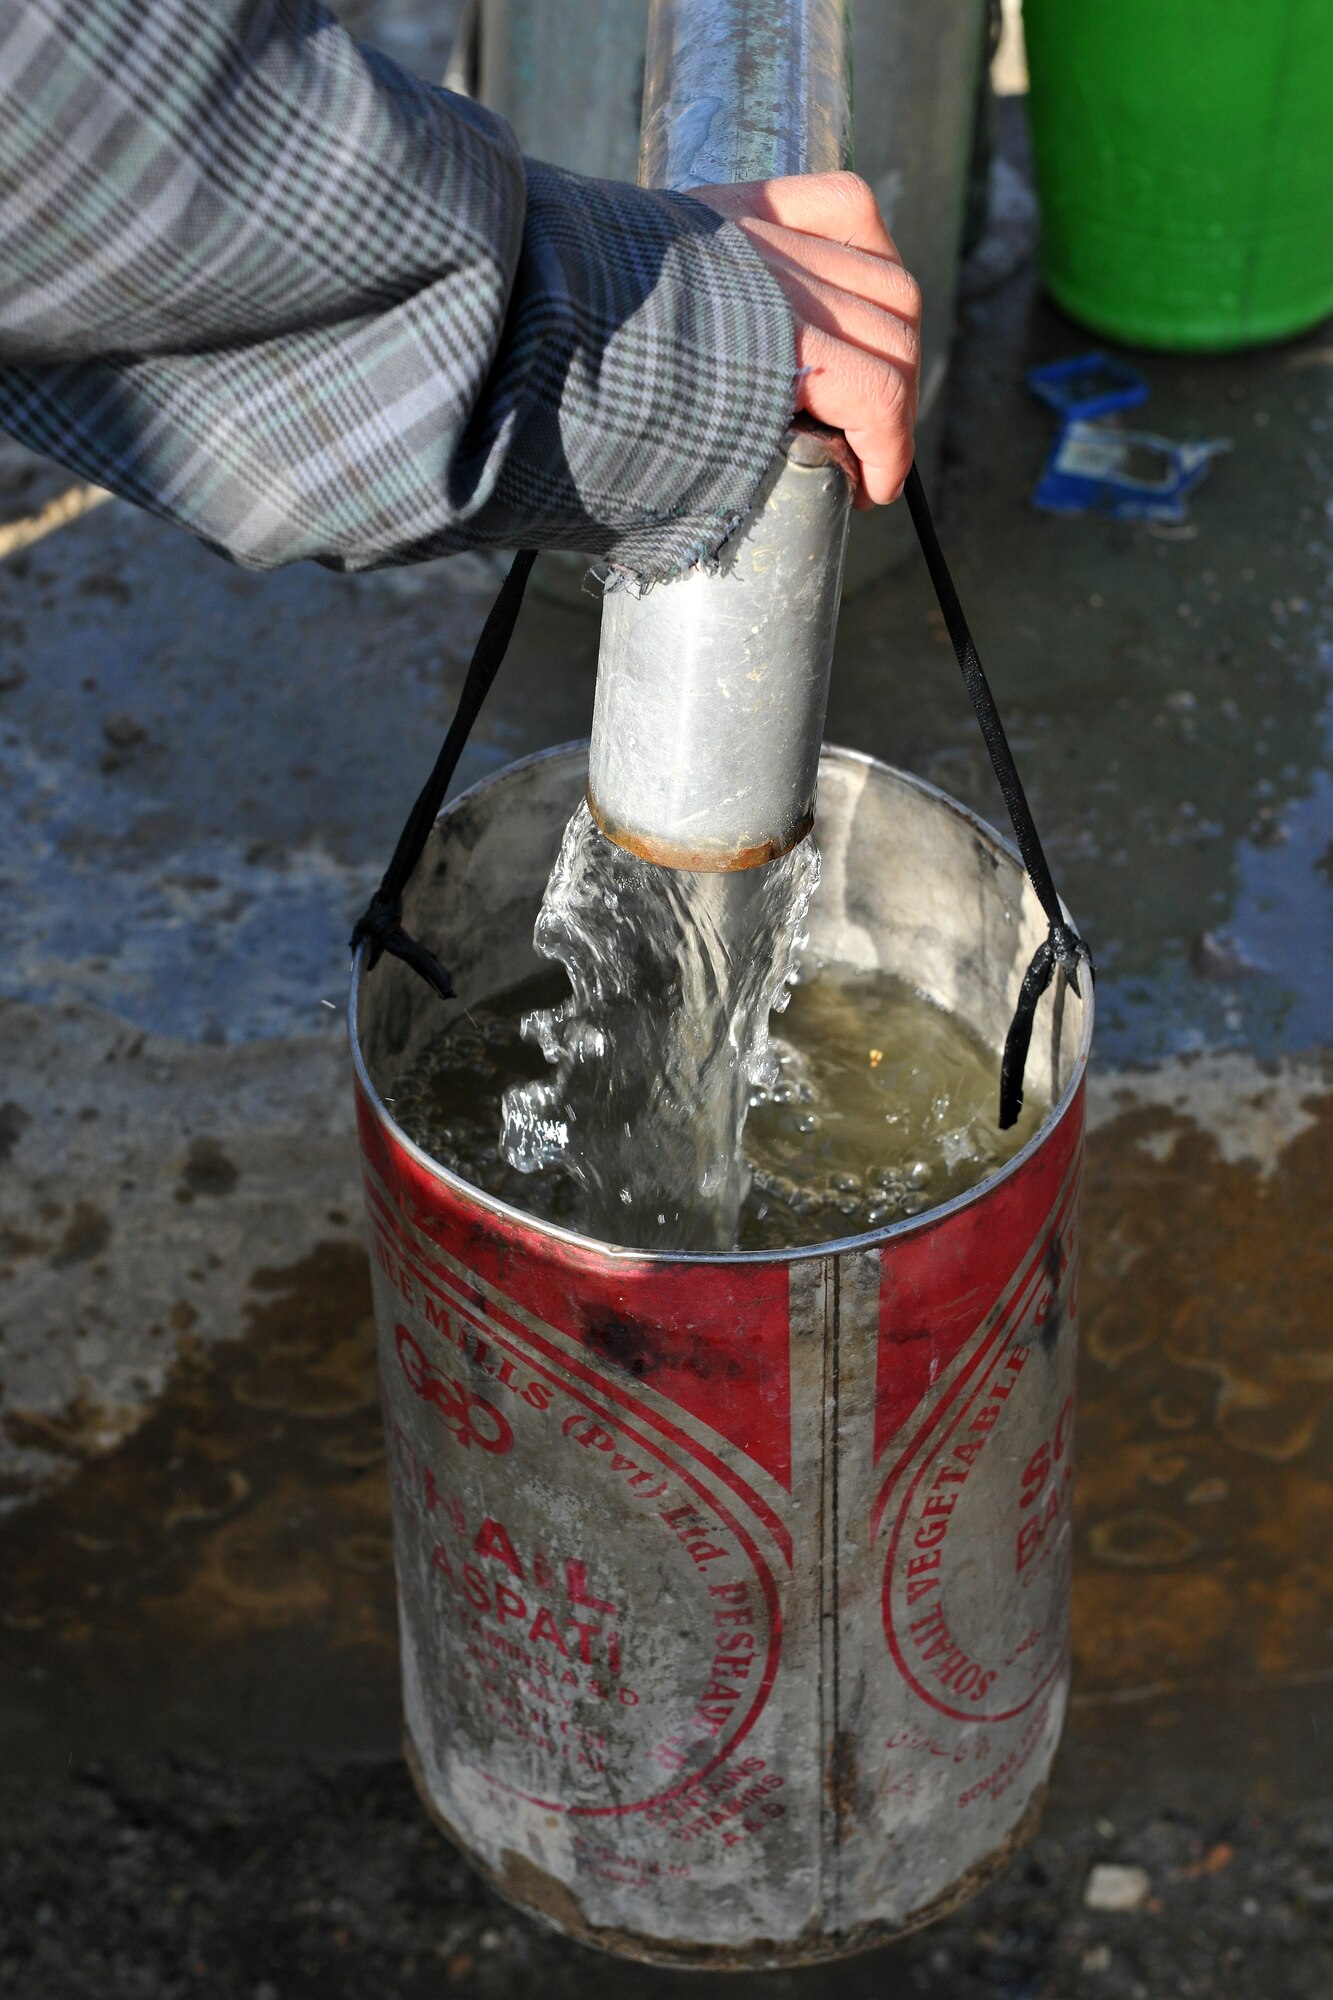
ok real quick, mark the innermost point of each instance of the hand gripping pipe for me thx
(711, 689)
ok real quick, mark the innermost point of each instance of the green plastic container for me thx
(1184, 153)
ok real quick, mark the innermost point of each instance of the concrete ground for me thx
(203, 773)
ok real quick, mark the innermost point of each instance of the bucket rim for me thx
(625, 1255)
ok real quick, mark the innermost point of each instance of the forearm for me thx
(180, 175)
(271, 288)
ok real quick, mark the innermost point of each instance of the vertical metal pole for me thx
(711, 689)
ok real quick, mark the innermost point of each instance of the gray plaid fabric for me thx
(262, 282)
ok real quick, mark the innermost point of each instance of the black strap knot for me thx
(381, 927)
(376, 926)
(1070, 952)
(1062, 946)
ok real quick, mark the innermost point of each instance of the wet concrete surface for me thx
(203, 775)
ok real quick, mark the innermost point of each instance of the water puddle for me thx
(223, 1576)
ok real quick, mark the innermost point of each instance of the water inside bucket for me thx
(880, 1105)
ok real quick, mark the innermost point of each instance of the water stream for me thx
(664, 1038)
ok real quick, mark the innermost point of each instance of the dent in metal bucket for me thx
(734, 1590)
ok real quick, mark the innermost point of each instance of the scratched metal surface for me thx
(815, 1684)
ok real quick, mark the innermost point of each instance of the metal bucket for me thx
(733, 1590)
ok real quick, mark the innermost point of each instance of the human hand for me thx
(857, 312)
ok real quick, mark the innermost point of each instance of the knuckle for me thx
(896, 345)
(909, 298)
(909, 346)
(853, 193)
(890, 397)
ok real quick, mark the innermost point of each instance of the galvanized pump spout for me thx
(711, 689)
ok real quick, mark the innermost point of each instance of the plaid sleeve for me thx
(260, 281)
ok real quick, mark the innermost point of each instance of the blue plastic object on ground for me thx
(1097, 468)
(1088, 385)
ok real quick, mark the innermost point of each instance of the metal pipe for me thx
(711, 689)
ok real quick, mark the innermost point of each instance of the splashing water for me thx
(883, 1105)
(664, 1039)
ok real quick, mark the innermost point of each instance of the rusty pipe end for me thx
(699, 859)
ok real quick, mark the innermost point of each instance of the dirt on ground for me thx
(172, 1878)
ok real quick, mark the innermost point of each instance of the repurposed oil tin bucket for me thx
(733, 1590)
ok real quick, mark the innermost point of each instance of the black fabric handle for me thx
(381, 926)
(1062, 944)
